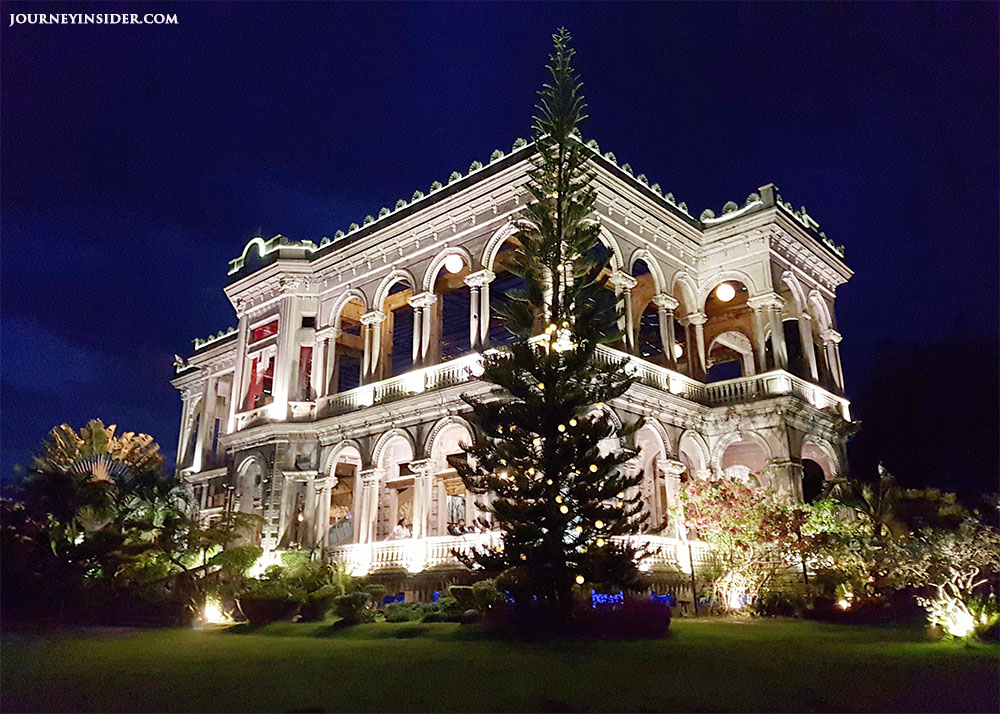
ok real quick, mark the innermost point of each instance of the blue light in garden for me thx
(601, 600)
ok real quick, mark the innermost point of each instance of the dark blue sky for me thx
(137, 160)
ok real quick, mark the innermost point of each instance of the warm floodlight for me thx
(725, 292)
(454, 263)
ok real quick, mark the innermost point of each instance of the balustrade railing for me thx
(467, 368)
(417, 555)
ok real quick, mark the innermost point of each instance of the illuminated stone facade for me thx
(330, 410)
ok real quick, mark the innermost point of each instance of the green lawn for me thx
(705, 665)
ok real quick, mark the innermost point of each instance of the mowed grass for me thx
(705, 665)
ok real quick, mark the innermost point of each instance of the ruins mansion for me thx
(331, 409)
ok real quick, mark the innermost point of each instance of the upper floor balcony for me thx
(466, 370)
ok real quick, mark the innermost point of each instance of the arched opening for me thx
(396, 496)
(793, 345)
(655, 490)
(396, 332)
(337, 524)
(730, 355)
(453, 508)
(812, 480)
(745, 461)
(349, 347)
(728, 331)
(248, 495)
(505, 282)
(452, 310)
(646, 317)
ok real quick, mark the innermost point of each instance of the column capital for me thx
(375, 317)
(328, 333)
(666, 302)
(424, 299)
(766, 300)
(672, 467)
(480, 278)
(621, 279)
(421, 467)
(693, 318)
(831, 335)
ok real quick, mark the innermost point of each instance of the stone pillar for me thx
(184, 437)
(203, 443)
(786, 477)
(808, 349)
(697, 358)
(422, 304)
(672, 470)
(771, 304)
(321, 523)
(831, 348)
(306, 528)
(479, 307)
(324, 379)
(236, 399)
(369, 505)
(371, 322)
(623, 284)
(286, 359)
(665, 306)
(759, 318)
(421, 497)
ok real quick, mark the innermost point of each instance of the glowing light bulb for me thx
(558, 499)
(599, 524)
(536, 441)
(454, 263)
(621, 494)
(579, 529)
(523, 556)
(593, 468)
(600, 542)
(564, 509)
(548, 481)
(572, 422)
(725, 292)
(301, 518)
(541, 385)
(531, 471)
(579, 580)
(678, 350)
(561, 427)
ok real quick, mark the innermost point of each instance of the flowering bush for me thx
(754, 534)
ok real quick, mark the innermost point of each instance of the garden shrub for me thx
(375, 591)
(264, 601)
(446, 609)
(319, 602)
(636, 618)
(464, 595)
(403, 612)
(486, 595)
(354, 607)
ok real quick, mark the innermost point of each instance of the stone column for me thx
(771, 304)
(203, 444)
(324, 379)
(422, 303)
(369, 505)
(665, 306)
(831, 348)
(479, 307)
(370, 322)
(696, 343)
(786, 477)
(672, 470)
(623, 284)
(184, 437)
(321, 522)
(421, 496)
(306, 528)
(236, 398)
(760, 343)
(286, 359)
(808, 349)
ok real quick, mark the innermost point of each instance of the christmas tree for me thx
(558, 500)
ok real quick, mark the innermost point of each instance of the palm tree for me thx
(878, 503)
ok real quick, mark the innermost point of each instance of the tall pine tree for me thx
(558, 502)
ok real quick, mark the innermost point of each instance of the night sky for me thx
(136, 161)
